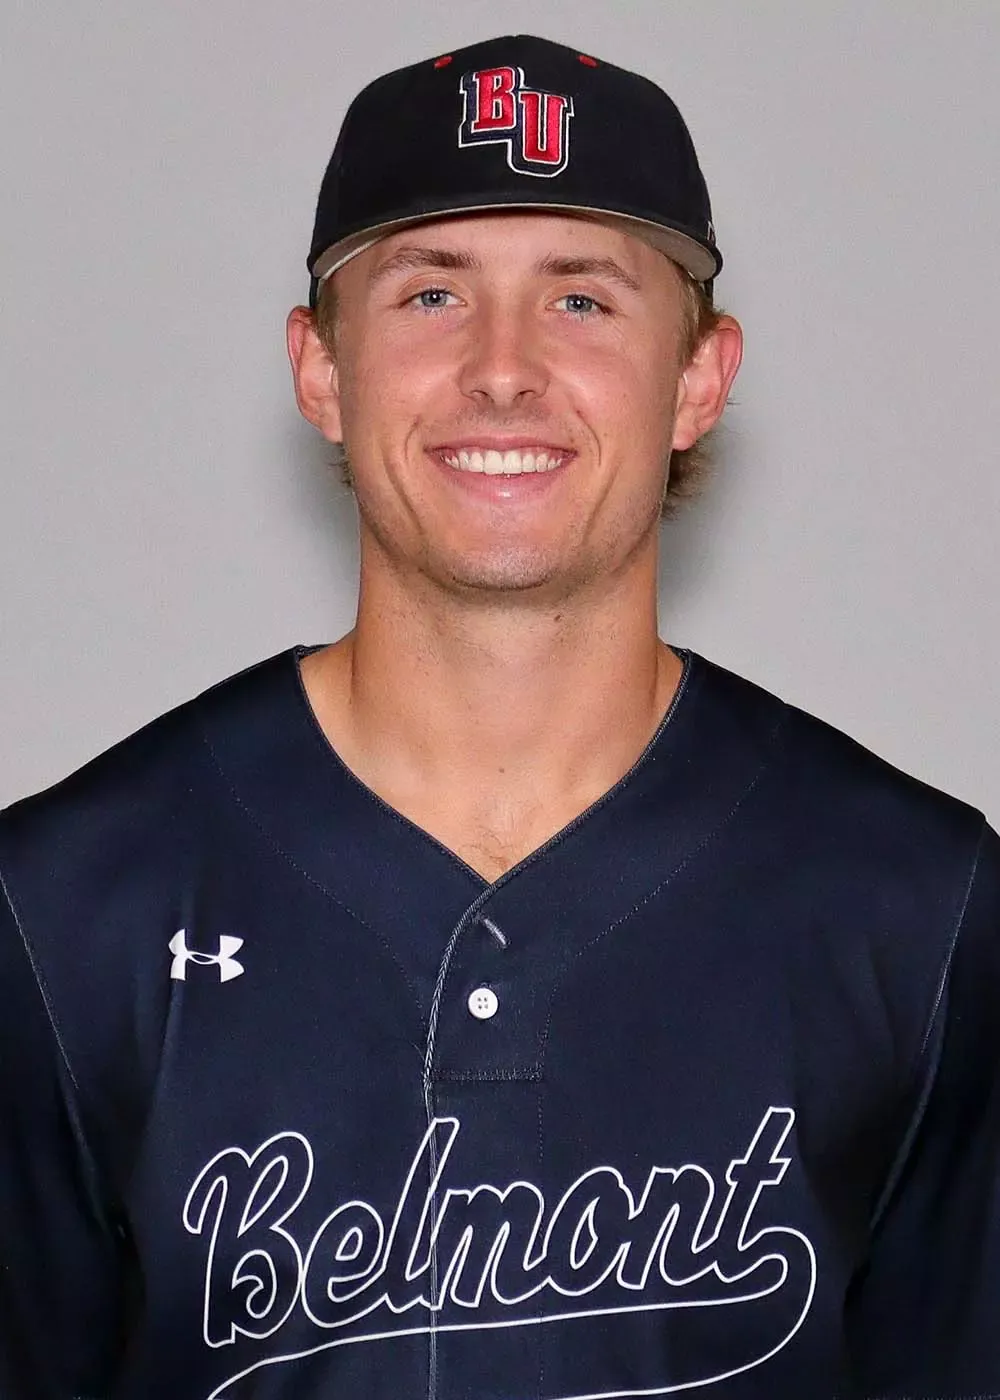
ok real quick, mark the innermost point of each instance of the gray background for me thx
(166, 519)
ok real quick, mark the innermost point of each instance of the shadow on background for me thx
(690, 545)
(326, 506)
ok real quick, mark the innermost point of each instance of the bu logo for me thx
(534, 126)
(223, 959)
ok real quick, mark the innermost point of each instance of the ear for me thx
(317, 385)
(704, 385)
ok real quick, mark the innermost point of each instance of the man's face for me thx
(506, 387)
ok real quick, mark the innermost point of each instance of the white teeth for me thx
(490, 462)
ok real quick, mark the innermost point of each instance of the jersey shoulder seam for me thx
(898, 1163)
(43, 992)
(949, 956)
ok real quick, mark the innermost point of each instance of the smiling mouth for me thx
(513, 462)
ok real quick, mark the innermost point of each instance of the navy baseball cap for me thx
(513, 123)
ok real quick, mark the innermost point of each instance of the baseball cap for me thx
(515, 122)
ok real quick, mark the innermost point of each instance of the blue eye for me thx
(579, 304)
(433, 298)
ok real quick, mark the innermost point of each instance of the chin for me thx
(511, 575)
(511, 572)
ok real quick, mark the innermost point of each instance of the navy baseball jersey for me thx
(702, 1097)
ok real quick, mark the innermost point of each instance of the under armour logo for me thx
(223, 959)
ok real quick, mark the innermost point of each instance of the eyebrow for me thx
(590, 267)
(411, 258)
(408, 259)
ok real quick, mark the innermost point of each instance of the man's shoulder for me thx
(136, 781)
(820, 774)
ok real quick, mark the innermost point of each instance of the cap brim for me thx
(693, 256)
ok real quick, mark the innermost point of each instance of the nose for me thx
(504, 364)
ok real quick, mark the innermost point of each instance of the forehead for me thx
(509, 239)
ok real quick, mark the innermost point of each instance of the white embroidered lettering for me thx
(501, 1257)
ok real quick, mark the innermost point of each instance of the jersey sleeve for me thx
(59, 1302)
(924, 1320)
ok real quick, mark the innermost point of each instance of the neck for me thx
(501, 719)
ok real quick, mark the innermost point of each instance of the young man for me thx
(499, 1003)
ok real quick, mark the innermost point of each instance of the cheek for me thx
(387, 388)
(628, 401)
(652, 397)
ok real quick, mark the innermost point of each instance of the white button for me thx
(483, 1003)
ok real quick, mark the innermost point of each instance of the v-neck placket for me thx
(482, 958)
